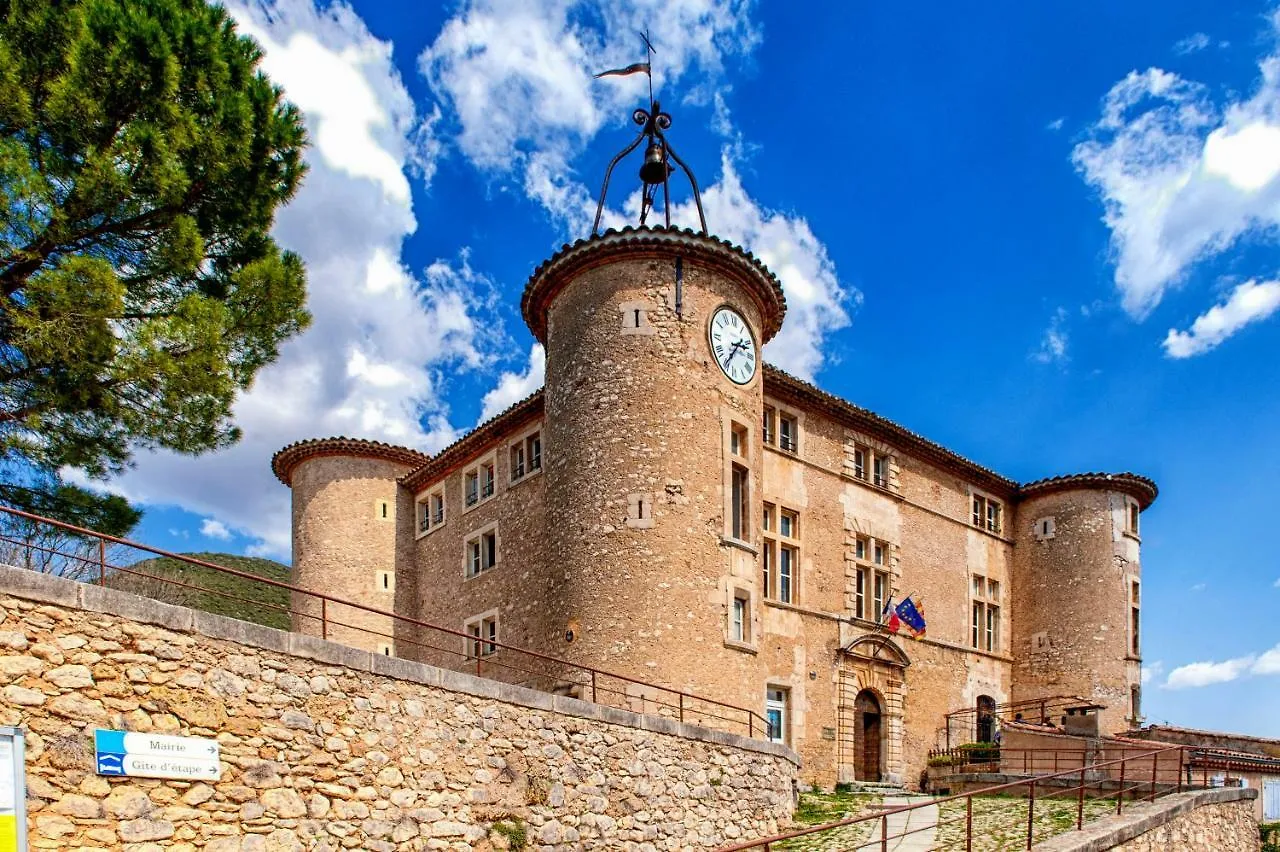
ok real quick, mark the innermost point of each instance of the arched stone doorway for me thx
(868, 736)
(986, 732)
(869, 703)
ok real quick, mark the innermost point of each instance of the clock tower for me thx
(653, 408)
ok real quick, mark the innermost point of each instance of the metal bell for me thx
(654, 170)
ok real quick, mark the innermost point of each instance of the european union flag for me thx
(912, 617)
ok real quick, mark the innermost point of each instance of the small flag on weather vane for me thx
(637, 68)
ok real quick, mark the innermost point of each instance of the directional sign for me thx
(157, 755)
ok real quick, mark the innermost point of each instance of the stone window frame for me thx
(640, 506)
(986, 626)
(864, 456)
(386, 649)
(472, 645)
(478, 467)
(980, 505)
(867, 569)
(1131, 523)
(772, 543)
(772, 415)
(1133, 619)
(737, 431)
(521, 443)
(384, 509)
(435, 520)
(480, 534)
(635, 317)
(384, 581)
(735, 592)
(1044, 528)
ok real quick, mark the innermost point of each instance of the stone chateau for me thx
(672, 509)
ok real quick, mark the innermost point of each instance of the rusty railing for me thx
(1006, 814)
(43, 544)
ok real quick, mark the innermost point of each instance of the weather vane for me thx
(656, 169)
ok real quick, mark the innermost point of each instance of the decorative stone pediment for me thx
(878, 649)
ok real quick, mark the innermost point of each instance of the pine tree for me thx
(142, 158)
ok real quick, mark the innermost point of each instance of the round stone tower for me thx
(1077, 592)
(345, 503)
(654, 459)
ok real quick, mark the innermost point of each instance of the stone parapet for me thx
(1183, 822)
(325, 746)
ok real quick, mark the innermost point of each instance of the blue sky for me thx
(1044, 235)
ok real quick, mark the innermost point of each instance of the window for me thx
(740, 487)
(880, 472)
(775, 711)
(481, 552)
(430, 509)
(738, 440)
(477, 483)
(526, 456)
(483, 632)
(988, 514)
(781, 429)
(384, 510)
(781, 553)
(386, 581)
(871, 465)
(788, 433)
(985, 625)
(872, 581)
(1132, 510)
(740, 618)
(386, 649)
(1135, 644)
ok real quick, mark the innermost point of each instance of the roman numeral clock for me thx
(732, 345)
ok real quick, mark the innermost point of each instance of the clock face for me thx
(732, 345)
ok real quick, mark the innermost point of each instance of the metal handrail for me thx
(756, 724)
(1080, 771)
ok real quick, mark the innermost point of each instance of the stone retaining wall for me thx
(1183, 822)
(325, 747)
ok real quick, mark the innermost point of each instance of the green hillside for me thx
(218, 593)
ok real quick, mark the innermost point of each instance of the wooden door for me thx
(867, 720)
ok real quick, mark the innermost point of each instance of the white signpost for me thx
(13, 791)
(157, 756)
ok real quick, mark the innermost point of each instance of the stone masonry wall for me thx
(1183, 822)
(326, 747)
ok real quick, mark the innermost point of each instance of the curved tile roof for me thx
(553, 273)
(288, 458)
(1139, 487)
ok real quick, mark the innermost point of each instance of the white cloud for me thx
(1206, 674)
(1199, 587)
(1182, 179)
(1055, 125)
(1268, 663)
(215, 529)
(1152, 672)
(517, 80)
(1276, 584)
(1248, 303)
(513, 387)
(1191, 44)
(370, 364)
(1053, 343)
